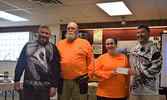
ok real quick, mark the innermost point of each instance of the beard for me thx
(142, 40)
(70, 36)
(43, 40)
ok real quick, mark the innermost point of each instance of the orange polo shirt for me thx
(76, 58)
(111, 86)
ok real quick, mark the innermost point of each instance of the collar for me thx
(146, 45)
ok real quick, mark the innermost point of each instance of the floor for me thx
(9, 97)
(16, 97)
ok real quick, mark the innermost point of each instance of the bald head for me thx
(72, 24)
(72, 31)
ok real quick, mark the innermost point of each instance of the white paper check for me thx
(122, 70)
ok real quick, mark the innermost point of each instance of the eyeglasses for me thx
(70, 28)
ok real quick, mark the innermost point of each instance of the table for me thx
(9, 86)
(92, 89)
(163, 91)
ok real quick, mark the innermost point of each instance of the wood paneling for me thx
(123, 34)
(117, 24)
(120, 34)
(19, 29)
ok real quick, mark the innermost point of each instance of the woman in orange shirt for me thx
(111, 85)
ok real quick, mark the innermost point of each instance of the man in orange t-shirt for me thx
(77, 65)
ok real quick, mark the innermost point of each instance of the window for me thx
(11, 44)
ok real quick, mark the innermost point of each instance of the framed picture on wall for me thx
(52, 39)
(124, 47)
(34, 36)
(97, 48)
(97, 36)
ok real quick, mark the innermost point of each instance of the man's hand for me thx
(16, 86)
(132, 72)
(52, 91)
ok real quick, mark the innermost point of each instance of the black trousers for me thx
(104, 98)
(29, 94)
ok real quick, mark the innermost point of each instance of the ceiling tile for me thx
(144, 6)
(4, 6)
(81, 11)
(90, 10)
(148, 16)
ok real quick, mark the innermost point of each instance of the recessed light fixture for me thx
(11, 17)
(115, 8)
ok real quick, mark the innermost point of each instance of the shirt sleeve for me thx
(55, 68)
(21, 64)
(127, 77)
(90, 63)
(99, 74)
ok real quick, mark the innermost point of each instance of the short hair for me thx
(144, 26)
(73, 23)
(44, 26)
(112, 37)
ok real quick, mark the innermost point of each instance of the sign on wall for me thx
(97, 36)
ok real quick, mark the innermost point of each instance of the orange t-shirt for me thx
(76, 58)
(111, 86)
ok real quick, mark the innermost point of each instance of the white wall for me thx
(55, 31)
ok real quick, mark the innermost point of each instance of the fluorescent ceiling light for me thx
(11, 17)
(115, 8)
